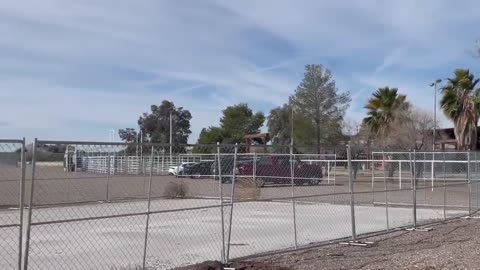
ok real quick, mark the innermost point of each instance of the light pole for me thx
(434, 85)
(111, 135)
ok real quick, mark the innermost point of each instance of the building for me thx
(445, 139)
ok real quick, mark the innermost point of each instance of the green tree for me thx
(211, 135)
(460, 102)
(155, 125)
(319, 108)
(128, 135)
(383, 109)
(237, 121)
(280, 127)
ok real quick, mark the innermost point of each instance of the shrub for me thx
(175, 190)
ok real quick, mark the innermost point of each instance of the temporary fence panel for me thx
(12, 180)
(113, 205)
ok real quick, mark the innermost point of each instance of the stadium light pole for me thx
(111, 135)
(434, 85)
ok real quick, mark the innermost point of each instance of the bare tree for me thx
(360, 139)
(412, 130)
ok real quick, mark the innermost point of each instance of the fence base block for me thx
(419, 229)
(357, 243)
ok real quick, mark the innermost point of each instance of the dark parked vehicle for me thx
(277, 170)
(206, 169)
(199, 170)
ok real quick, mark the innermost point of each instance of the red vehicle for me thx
(277, 170)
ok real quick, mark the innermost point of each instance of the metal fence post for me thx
(292, 177)
(163, 164)
(400, 173)
(444, 188)
(334, 178)
(476, 178)
(433, 168)
(254, 168)
(385, 189)
(352, 196)
(423, 176)
(334, 173)
(469, 185)
(232, 199)
(30, 208)
(354, 241)
(21, 203)
(108, 177)
(147, 223)
(414, 190)
(221, 202)
(328, 171)
(373, 179)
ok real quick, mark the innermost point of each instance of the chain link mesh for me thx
(10, 203)
(121, 206)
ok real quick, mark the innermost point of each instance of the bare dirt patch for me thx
(451, 245)
(216, 265)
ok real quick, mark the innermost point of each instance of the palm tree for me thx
(461, 104)
(383, 109)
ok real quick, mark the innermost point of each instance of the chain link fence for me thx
(154, 206)
(12, 179)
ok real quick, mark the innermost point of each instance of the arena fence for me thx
(86, 205)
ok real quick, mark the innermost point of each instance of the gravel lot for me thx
(452, 245)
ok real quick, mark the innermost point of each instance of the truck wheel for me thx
(259, 182)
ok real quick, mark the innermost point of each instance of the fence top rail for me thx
(423, 152)
(11, 141)
(407, 160)
(40, 141)
(285, 154)
(113, 143)
(437, 161)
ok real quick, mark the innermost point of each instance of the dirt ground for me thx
(54, 186)
(452, 245)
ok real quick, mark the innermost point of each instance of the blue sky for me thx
(73, 70)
